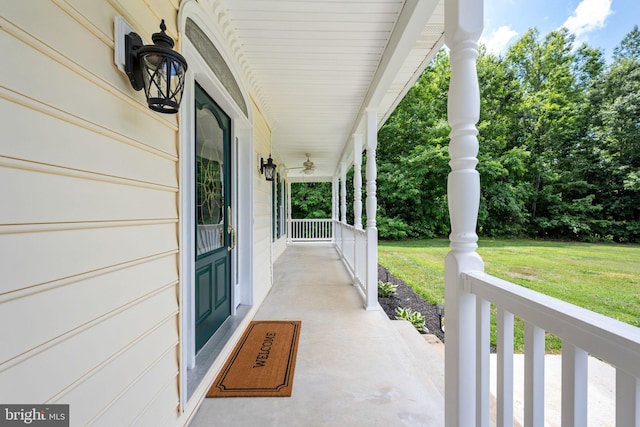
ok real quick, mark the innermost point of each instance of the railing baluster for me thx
(533, 376)
(627, 399)
(574, 385)
(614, 342)
(483, 330)
(505, 368)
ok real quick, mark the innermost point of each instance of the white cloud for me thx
(590, 15)
(498, 40)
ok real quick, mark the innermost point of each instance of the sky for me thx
(599, 23)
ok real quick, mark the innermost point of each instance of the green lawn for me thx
(604, 278)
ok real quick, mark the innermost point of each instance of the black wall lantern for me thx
(267, 168)
(156, 68)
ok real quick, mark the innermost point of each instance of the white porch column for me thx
(343, 192)
(372, 203)
(289, 209)
(357, 181)
(463, 25)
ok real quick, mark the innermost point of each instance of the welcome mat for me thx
(262, 363)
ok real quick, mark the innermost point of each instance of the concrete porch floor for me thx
(354, 367)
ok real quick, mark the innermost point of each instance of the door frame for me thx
(242, 162)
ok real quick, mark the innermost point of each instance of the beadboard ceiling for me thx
(316, 66)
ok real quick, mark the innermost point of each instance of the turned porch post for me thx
(357, 181)
(463, 25)
(371, 206)
(289, 209)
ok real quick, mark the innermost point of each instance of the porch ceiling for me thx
(316, 65)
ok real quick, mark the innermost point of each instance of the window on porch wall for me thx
(277, 208)
(283, 210)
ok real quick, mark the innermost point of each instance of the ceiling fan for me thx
(307, 166)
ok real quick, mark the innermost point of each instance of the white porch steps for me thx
(427, 356)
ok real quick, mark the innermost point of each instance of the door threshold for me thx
(211, 350)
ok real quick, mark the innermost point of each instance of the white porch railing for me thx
(351, 242)
(311, 230)
(582, 332)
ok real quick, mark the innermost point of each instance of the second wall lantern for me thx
(268, 168)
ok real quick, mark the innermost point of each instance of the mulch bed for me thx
(405, 297)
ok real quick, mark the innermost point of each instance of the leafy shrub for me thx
(392, 228)
(416, 318)
(386, 289)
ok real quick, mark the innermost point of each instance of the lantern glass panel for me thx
(268, 173)
(163, 82)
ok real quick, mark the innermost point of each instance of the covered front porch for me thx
(354, 366)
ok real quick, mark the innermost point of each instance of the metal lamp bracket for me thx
(132, 43)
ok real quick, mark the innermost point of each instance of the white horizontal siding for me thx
(108, 292)
(130, 377)
(279, 246)
(162, 409)
(156, 379)
(77, 91)
(78, 356)
(89, 219)
(262, 210)
(38, 257)
(49, 195)
(75, 145)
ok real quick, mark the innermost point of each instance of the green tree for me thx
(501, 160)
(558, 133)
(310, 200)
(553, 123)
(617, 131)
(413, 160)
